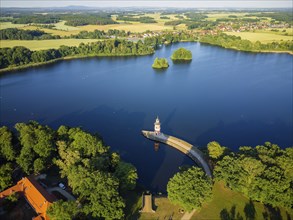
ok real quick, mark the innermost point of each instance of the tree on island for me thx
(181, 54)
(190, 189)
(160, 63)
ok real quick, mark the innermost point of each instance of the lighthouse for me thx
(157, 126)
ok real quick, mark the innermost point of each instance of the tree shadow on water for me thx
(230, 215)
(272, 213)
(249, 211)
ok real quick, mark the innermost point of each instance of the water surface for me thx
(235, 98)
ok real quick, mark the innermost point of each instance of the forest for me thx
(72, 19)
(229, 41)
(143, 19)
(263, 173)
(278, 16)
(18, 56)
(97, 176)
(85, 19)
(18, 34)
(97, 34)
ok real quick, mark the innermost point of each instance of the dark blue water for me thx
(232, 97)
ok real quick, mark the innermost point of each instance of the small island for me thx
(181, 54)
(160, 63)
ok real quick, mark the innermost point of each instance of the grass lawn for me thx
(164, 210)
(262, 37)
(225, 205)
(44, 44)
(234, 204)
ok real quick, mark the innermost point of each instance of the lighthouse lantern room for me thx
(157, 126)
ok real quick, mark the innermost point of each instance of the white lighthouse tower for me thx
(157, 126)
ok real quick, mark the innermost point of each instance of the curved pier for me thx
(193, 152)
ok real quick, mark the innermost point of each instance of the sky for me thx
(149, 3)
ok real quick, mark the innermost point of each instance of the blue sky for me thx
(148, 3)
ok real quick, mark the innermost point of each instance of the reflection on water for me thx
(229, 96)
(156, 146)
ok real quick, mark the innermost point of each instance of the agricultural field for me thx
(61, 26)
(262, 37)
(126, 26)
(133, 27)
(217, 15)
(4, 25)
(279, 31)
(235, 204)
(61, 33)
(44, 44)
(157, 16)
(65, 30)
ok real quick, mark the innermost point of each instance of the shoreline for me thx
(10, 69)
(249, 51)
(22, 67)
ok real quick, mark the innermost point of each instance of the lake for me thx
(235, 98)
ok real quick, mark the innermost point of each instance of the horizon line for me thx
(173, 7)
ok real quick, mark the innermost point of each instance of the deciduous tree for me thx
(6, 148)
(190, 189)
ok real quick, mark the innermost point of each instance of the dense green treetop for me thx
(38, 146)
(7, 150)
(65, 210)
(190, 189)
(72, 19)
(143, 19)
(215, 149)
(230, 41)
(263, 173)
(5, 176)
(19, 34)
(160, 63)
(81, 19)
(18, 56)
(182, 54)
(127, 175)
(96, 175)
